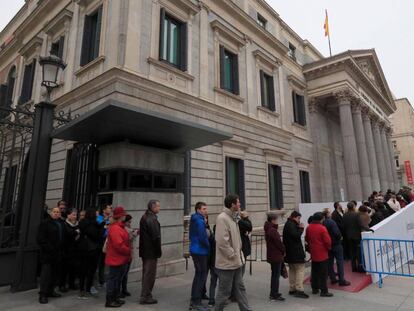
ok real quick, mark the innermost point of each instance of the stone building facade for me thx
(187, 100)
(402, 121)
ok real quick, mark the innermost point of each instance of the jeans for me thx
(200, 278)
(319, 276)
(114, 281)
(274, 281)
(101, 268)
(337, 253)
(213, 285)
(149, 272)
(227, 278)
(48, 278)
(354, 248)
(125, 278)
(88, 265)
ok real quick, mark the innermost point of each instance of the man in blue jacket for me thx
(199, 250)
(336, 251)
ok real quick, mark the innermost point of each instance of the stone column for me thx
(364, 168)
(372, 156)
(353, 177)
(380, 156)
(392, 156)
(388, 165)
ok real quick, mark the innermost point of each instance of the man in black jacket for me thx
(245, 227)
(50, 238)
(295, 254)
(149, 250)
(336, 251)
(352, 227)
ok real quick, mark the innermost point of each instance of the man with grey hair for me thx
(149, 250)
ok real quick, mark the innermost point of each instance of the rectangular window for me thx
(235, 178)
(267, 91)
(261, 21)
(91, 37)
(292, 51)
(275, 187)
(173, 41)
(299, 112)
(57, 47)
(28, 79)
(229, 71)
(305, 195)
(397, 162)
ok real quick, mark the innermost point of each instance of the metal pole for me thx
(25, 276)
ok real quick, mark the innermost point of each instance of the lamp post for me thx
(35, 184)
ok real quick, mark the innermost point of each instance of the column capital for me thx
(313, 104)
(203, 6)
(345, 97)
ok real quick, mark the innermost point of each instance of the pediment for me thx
(369, 64)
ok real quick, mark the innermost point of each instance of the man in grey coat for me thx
(229, 256)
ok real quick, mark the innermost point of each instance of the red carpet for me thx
(358, 280)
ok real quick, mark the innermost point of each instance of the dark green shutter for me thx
(303, 110)
(262, 88)
(295, 108)
(227, 175)
(61, 47)
(279, 187)
(272, 104)
(235, 61)
(183, 47)
(240, 181)
(162, 30)
(222, 71)
(86, 41)
(97, 42)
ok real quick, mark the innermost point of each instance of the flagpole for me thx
(327, 32)
(329, 40)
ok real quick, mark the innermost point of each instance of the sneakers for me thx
(148, 301)
(327, 294)
(198, 307)
(301, 294)
(211, 303)
(344, 283)
(94, 291)
(276, 298)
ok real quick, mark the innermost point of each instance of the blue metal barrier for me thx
(387, 257)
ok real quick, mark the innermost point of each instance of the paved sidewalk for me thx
(173, 295)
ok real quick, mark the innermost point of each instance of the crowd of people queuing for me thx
(80, 250)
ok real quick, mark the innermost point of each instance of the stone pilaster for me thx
(372, 155)
(388, 164)
(380, 156)
(397, 184)
(352, 173)
(362, 150)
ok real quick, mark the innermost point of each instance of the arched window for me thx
(11, 79)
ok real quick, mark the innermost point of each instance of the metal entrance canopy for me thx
(115, 121)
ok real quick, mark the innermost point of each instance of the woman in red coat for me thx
(275, 255)
(319, 242)
(118, 255)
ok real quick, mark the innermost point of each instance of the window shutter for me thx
(236, 88)
(3, 92)
(295, 108)
(32, 76)
(222, 72)
(279, 187)
(183, 47)
(86, 41)
(10, 90)
(241, 184)
(301, 109)
(61, 47)
(162, 30)
(227, 175)
(262, 88)
(272, 104)
(97, 42)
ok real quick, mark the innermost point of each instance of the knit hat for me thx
(118, 212)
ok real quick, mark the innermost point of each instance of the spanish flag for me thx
(326, 25)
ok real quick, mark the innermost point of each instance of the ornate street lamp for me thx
(50, 70)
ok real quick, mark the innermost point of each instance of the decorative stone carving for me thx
(313, 105)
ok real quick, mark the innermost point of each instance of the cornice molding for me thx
(57, 23)
(271, 61)
(30, 47)
(296, 82)
(226, 32)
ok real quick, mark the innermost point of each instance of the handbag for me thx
(283, 271)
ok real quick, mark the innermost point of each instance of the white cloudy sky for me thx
(385, 25)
